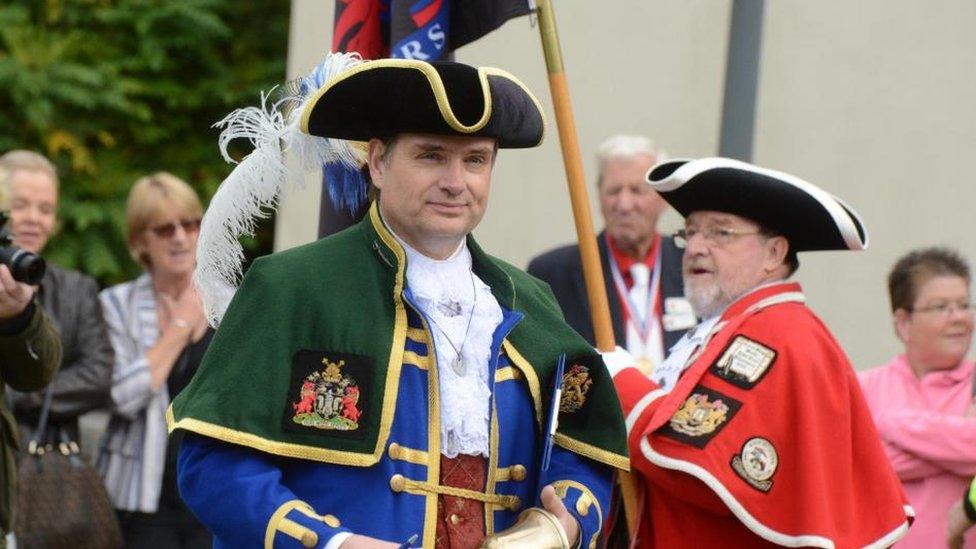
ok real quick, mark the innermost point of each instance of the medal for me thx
(458, 365)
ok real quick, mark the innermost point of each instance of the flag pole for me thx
(592, 271)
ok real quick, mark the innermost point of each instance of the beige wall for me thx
(872, 100)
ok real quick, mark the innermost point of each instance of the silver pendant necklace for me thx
(458, 364)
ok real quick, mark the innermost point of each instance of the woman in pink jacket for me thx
(922, 400)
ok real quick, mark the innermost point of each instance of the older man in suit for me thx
(641, 268)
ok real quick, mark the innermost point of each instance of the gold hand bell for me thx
(535, 529)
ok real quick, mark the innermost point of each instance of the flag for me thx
(362, 26)
(432, 29)
(417, 29)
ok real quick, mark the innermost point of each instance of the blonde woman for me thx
(159, 333)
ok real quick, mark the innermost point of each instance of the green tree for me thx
(112, 90)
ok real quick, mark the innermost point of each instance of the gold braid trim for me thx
(307, 537)
(419, 335)
(278, 523)
(410, 455)
(512, 503)
(413, 359)
(583, 504)
(507, 373)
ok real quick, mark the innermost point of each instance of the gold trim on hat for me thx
(437, 88)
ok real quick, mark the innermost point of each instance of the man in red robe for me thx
(765, 438)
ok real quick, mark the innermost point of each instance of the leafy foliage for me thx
(112, 90)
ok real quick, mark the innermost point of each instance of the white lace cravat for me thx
(442, 290)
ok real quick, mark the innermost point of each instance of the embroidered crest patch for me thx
(744, 362)
(576, 385)
(757, 463)
(326, 391)
(702, 416)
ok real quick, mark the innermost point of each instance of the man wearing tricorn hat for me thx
(765, 438)
(393, 379)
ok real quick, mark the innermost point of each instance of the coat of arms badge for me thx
(329, 399)
(702, 415)
(699, 416)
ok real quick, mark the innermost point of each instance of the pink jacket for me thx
(930, 443)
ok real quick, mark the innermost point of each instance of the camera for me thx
(25, 266)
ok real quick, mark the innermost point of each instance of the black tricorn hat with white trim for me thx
(386, 97)
(809, 217)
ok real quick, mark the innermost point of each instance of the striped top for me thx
(133, 451)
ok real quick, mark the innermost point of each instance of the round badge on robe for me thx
(756, 463)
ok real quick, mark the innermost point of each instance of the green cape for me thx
(344, 293)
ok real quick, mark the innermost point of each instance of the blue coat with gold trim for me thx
(375, 470)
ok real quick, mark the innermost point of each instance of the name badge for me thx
(678, 305)
(678, 322)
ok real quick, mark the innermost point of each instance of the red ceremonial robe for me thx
(766, 439)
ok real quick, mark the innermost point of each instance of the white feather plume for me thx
(255, 186)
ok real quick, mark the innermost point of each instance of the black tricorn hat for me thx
(809, 217)
(386, 97)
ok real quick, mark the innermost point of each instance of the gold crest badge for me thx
(699, 416)
(576, 385)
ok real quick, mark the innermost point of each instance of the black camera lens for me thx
(25, 266)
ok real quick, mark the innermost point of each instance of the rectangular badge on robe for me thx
(553, 421)
(678, 314)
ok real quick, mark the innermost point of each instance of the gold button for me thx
(518, 473)
(331, 521)
(394, 451)
(455, 519)
(397, 483)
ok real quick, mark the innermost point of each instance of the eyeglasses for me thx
(714, 236)
(945, 309)
(190, 226)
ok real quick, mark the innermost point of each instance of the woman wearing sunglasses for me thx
(159, 333)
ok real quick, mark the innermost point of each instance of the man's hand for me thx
(14, 296)
(554, 504)
(364, 542)
(958, 524)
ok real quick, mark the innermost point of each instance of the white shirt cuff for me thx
(337, 540)
(617, 360)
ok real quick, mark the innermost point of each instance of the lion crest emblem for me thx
(576, 385)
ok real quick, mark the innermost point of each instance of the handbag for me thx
(61, 500)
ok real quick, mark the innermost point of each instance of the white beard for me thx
(707, 301)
